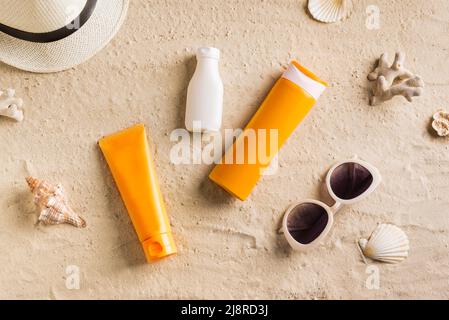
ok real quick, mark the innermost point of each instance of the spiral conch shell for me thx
(388, 243)
(53, 204)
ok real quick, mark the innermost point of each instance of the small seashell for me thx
(441, 123)
(388, 243)
(329, 11)
(10, 105)
(53, 204)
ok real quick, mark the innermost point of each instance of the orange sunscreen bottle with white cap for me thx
(290, 100)
(128, 156)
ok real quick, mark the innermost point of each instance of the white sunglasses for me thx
(306, 223)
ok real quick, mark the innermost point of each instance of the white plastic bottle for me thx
(205, 93)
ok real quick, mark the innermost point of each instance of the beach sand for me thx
(230, 249)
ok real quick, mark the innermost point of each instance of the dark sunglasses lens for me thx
(306, 222)
(350, 180)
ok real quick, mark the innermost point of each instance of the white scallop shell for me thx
(387, 244)
(441, 123)
(329, 11)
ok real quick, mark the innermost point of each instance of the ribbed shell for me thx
(330, 11)
(53, 204)
(388, 243)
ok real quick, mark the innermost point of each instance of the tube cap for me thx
(305, 79)
(159, 247)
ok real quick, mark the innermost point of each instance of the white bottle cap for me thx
(208, 52)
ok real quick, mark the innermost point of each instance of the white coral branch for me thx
(408, 89)
(10, 106)
(394, 80)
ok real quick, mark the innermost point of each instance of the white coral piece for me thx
(10, 106)
(394, 80)
(441, 123)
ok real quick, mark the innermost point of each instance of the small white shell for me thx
(10, 105)
(329, 11)
(441, 123)
(387, 244)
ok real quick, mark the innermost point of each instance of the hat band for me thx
(55, 35)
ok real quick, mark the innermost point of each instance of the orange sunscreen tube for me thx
(128, 157)
(287, 104)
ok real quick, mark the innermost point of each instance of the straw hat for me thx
(55, 35)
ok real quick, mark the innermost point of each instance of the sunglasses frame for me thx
(331, 211)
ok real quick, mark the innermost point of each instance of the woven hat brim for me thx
(67, 53)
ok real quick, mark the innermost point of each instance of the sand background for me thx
(229, 249)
